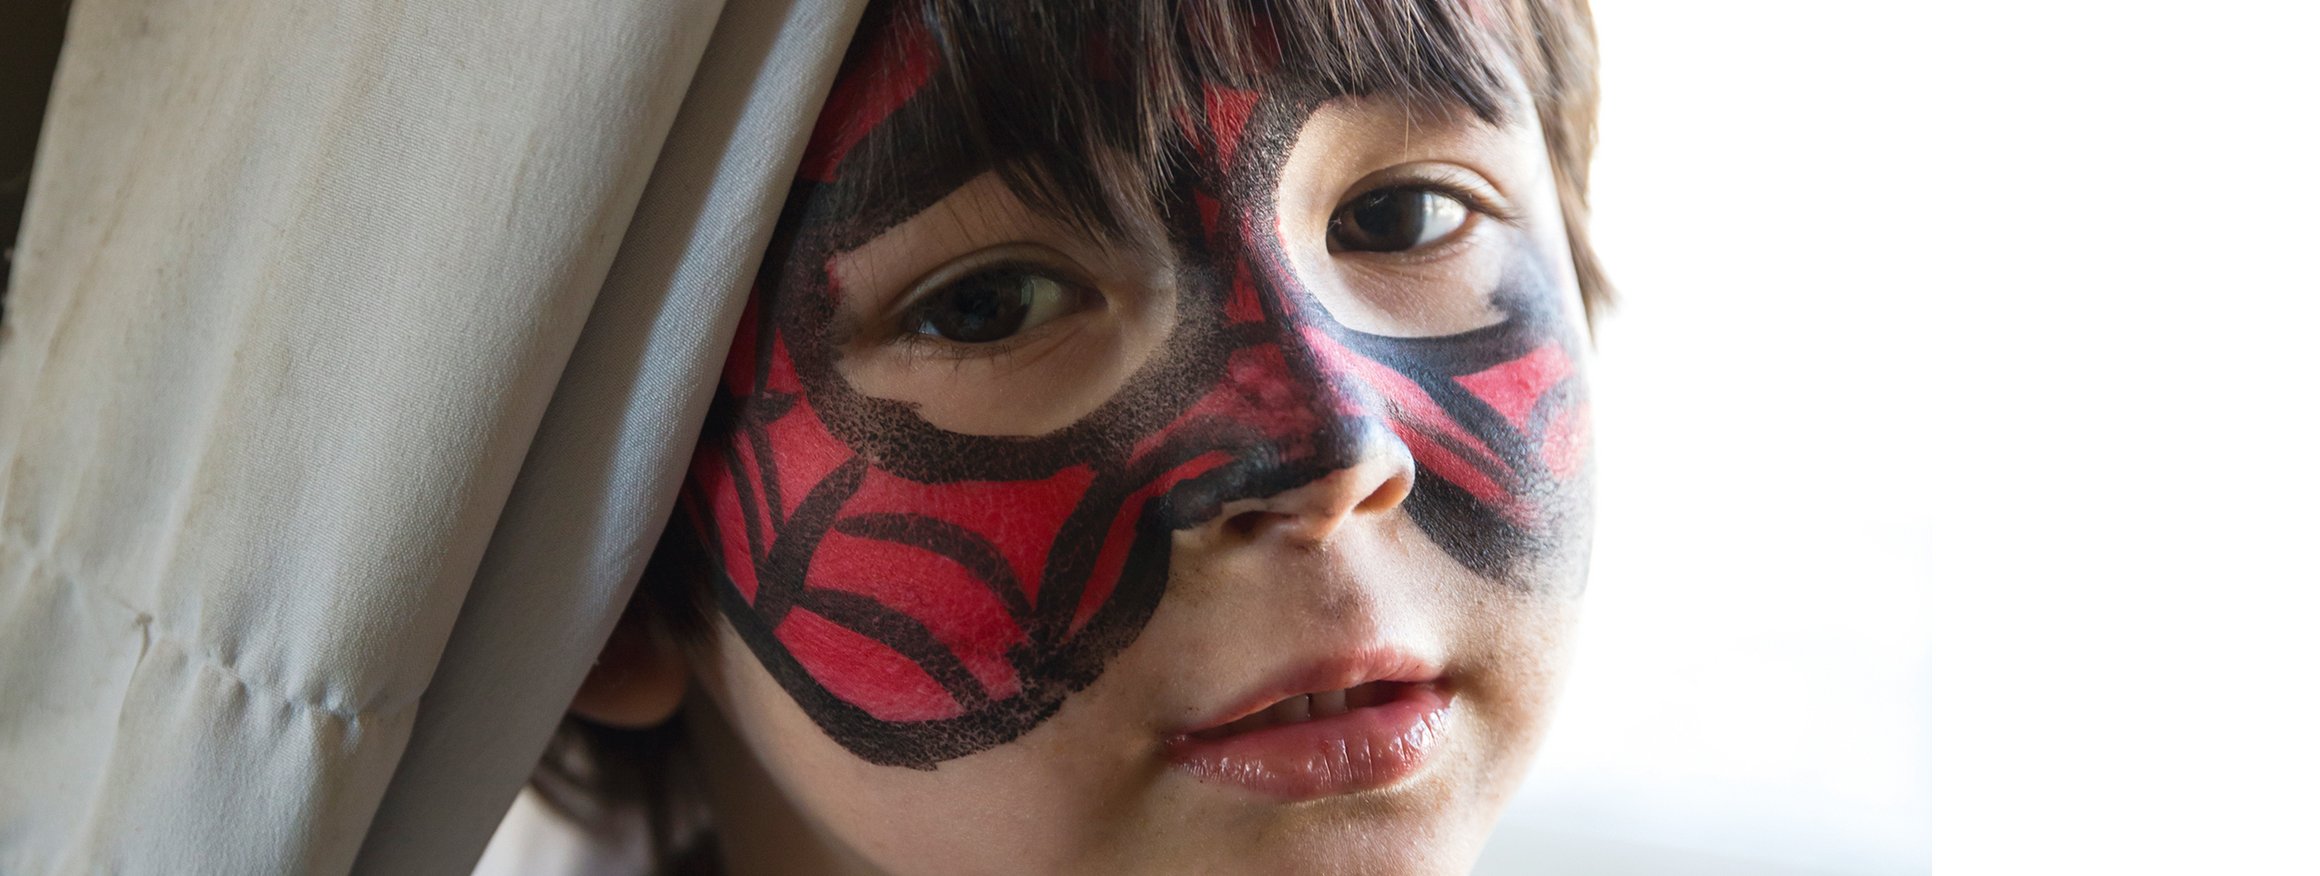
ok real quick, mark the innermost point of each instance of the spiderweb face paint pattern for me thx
(925, 595)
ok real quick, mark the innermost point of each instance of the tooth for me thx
(1329, 703)
(1361, 696)
(1293, 709)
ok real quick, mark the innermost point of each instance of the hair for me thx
(1014, 93)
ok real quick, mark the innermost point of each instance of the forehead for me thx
(1088, 113)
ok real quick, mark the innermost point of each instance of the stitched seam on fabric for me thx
(207, 660)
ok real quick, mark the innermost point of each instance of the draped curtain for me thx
(352, 357)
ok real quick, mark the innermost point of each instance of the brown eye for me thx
(991, 305)
(1395, 220)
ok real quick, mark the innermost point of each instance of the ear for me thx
(638, 680)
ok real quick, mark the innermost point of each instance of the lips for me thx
(1300, 708)
(1337, 728)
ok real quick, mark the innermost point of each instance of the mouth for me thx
(1370, 728)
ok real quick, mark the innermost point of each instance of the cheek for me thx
(923, 616)
(963, 562)
(1528, 657)
(1538, 396)
(1049, 797)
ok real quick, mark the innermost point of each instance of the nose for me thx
(1329, 456)
(1378, 479)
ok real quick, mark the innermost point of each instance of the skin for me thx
(970, 589)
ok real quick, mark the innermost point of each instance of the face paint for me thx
(924, 594)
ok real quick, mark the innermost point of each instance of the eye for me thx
(1395, 219)
(992, 305)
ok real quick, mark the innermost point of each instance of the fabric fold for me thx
(322, 397)
(600, 479)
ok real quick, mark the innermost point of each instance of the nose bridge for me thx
(1313, 408)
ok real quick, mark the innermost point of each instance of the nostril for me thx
(1248, 524)
(1315, 510)
(1387, 495)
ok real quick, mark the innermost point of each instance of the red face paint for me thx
(925, 594)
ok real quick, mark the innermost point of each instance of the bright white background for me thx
(1996, 316)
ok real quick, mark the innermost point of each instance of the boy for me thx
(1157, 443)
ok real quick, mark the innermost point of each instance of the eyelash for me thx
(1430, 179)
(918, 345)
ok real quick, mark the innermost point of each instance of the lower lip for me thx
(1360, 750)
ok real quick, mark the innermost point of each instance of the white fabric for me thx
(332, 431)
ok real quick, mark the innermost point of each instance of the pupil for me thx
(1389, 221)
(982, 308)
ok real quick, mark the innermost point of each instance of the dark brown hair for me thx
(1016, 95)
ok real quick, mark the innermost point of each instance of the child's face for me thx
(1028, 535)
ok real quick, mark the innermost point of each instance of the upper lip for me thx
(1380, 663)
